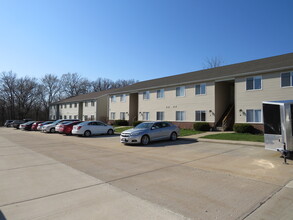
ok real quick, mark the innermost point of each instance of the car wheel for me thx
(87, 133)
(52, 130)
(145, 140)
(110, 132)
(173, 136)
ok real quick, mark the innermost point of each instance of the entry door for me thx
(272, 126)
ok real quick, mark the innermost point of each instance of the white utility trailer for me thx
(278, 126)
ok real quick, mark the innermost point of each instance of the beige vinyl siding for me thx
(118, 106)
(170, 103)
(89, 109)
(68, 111)
(252, 99)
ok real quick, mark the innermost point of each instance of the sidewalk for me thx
(200, 139)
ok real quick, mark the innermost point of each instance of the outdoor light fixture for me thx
(241, 111)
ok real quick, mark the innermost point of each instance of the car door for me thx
(155, 132)
(102, 129)
(93, 126)
(165, 130)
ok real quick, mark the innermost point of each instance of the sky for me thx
(138, 39)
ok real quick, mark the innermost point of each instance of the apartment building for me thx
(91, 106)
(220, 96)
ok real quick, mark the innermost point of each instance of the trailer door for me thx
(272, 126)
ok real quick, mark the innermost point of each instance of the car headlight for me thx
(135, 133)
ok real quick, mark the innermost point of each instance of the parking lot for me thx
(51, 176)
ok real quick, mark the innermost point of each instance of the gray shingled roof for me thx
(84, 97)
(269, 64)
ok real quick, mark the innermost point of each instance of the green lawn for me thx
(122, 128)
(186, 132)
(236, 137)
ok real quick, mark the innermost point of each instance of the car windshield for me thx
(56, 122)
(144, 125)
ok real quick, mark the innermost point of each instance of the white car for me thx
(89, 128)
(50, 128)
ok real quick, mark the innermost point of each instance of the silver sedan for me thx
(146, 132)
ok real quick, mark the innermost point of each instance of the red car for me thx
(67, 127)
(35, 125)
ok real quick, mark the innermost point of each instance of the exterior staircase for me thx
(227, 120)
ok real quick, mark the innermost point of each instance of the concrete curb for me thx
(248, 143)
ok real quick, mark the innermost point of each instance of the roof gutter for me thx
(211, 79)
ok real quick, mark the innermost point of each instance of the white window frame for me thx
(75, 116)
(200, 89)
(253, 84)
(181, 90)
(65, 117)
(112, 115)
(160, 114)
(92, 103)
(70, 105)
(181, 115)
(122, 116)
(291, 79)
(85, 104)
(113, 98)
(146, 95)
(200, 115)
(253, 116)
(123, 98)
(75, 105)
(92, 117)
(145, 116)
(160, 93)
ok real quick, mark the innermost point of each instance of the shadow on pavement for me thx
(165, 143)
(2, 217)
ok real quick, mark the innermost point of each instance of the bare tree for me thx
(73, 84)
(122, 83)
(212, 62)
(101, 84)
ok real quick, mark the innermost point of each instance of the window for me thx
(75, 105)
(253, 83)
(113, 98)
(200, 115)
(253, 115)
(70, 116)
(146, 95)
(85, 117)
(146, 116)
(287, 79)
(160, 93)
(61, 106)
(122, 115)
(112, 116)
(92, 103)
(180, 115)
(70, 105)
(60, 117)
(64, 105)
(92, 117)
(160, 116)
(75, 116)
(180, 91)
(200, 89)
(123, 98)
(65, 117)
(85, 104)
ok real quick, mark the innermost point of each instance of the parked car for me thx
(50, 128)
(17, 123)
(89, 128)
(58, 126)
(40, 126)
(66, 128)
(26, 126)
(35, 125)
(146, 132)
(8, 123)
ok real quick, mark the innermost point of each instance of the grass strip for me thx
(236, 137)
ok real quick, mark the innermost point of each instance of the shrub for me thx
(243, 128)
(120, 122)
(201, 126)
(135, 123)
